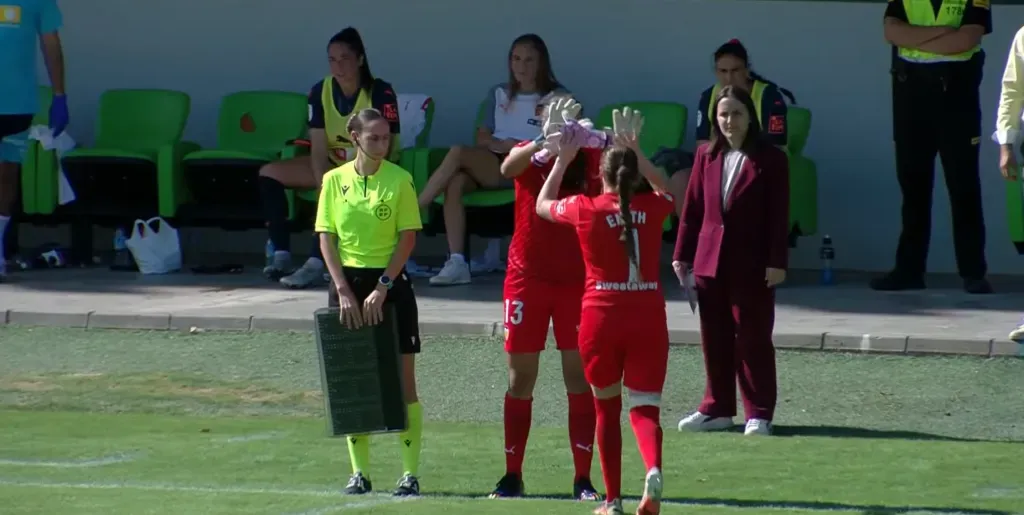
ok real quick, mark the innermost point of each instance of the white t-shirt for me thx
(731, 167)
(519, 118)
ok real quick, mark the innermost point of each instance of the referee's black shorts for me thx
(362, 281)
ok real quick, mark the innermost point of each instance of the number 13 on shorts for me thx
(513, 312)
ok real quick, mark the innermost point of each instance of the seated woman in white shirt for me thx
(513, 114)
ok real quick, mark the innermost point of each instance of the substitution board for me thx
(361, 375)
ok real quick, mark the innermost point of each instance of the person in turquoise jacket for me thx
(24, 26)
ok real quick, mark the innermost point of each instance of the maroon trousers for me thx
(736, 323)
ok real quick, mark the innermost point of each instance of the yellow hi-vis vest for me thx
(756, 93)
(339, 148)
(922, 14)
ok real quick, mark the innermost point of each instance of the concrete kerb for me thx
(864, 343)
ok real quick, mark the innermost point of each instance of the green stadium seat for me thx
(664, 123)
(664, 126)
(253, 129)
(39, 170)
(803, 175)
(134, 169)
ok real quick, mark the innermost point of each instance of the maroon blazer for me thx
(748, 234)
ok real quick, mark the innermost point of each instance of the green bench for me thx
(253, 129)
(134, 169)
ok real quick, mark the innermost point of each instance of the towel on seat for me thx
(61, 145)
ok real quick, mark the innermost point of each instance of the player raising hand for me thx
(623, 336)
(543, 286)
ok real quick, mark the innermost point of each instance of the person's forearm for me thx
(484, 139)
(956, 42)
(53, 55)
(518, 160)
(903, 34)
(549, 192)
(406, 244)
(653, 174)
(1011, 98)
(329, 249)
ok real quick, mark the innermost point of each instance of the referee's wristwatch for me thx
(385, 281)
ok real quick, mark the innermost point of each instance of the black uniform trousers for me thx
(937, 110)
(362, 282)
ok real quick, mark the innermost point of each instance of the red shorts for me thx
(625, 344)
(531, 306)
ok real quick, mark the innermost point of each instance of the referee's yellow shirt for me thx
(367, 212)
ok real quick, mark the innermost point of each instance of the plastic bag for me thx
(155, 246)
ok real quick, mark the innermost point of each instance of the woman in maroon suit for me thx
(733, 233)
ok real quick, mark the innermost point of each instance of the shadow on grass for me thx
(860, 509)
(858, 432)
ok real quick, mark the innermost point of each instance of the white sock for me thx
(314, 263)
(458, 257)
(3, 230)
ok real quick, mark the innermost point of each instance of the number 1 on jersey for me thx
(634, 268)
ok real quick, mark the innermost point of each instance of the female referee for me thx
(367, 218)
(623, 336)
(543, 286)
(333, 100)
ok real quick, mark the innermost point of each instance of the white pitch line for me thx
(170, 487)
(273, 435)
(372, 503)
(71, 464)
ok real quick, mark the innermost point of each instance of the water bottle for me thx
(123, 260)
(828, 255)
(268, 253)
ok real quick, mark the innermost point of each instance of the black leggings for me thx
(11, 124)
(275, 212)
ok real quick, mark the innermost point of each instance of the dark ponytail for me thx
(620, 168)
(736, 49)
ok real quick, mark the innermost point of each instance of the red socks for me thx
(609, 441)
(647, 428)
(582, 421)
(518, 416)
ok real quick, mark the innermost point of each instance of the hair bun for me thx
(734, 41)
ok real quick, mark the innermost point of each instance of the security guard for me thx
(367, 218)
(936, 70)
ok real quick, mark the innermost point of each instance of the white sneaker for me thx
(306, 276)
(653, 486)
(699, 422)
(280, 266)
(1017, 334)
(455, 271)
(758, 426)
